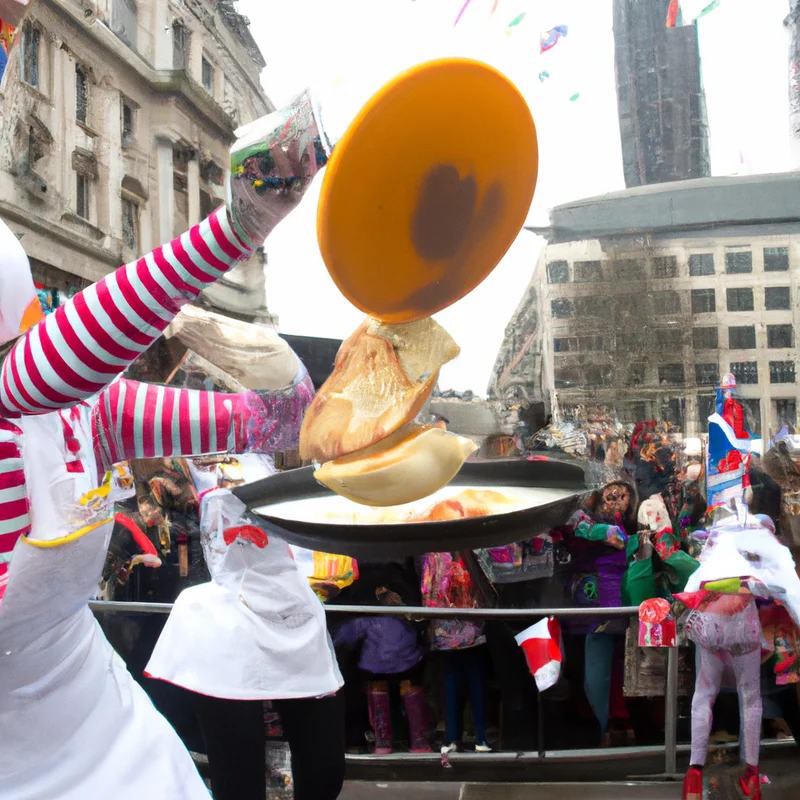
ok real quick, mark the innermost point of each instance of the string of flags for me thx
(549, 39)
(687, 12)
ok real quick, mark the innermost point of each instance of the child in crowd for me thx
(390, 654)
(446, 583)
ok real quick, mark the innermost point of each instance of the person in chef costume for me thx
(75, 724)
(255, 632)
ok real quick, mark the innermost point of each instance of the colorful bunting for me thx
(687, 12)
(461, 13)
(549, 39)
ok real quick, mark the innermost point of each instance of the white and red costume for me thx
(75, 724)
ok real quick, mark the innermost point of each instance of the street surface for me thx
(780, 788)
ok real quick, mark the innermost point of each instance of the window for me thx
(740, 299)
(180, 188)
(29, 63)
(130, 224)
(706, 374)
(633, 412)
(776, 259)
(674, 411)
(665, 267)
(208, 76)
(590, 343)
(128, 124)
(562, 344)
(703, 301)
(81, 95)
(779, 336)
(666, 338)
(786, 412)
(666, 302)
(594, 306)
(752, 412)
(777, 298)
(82, 201)
(742, 337)
(568, 377)
(705, 338)
(125, 21)
(561, 308)
(558, 272)
(577, 344)
(599, 375)
(781, 371)
(209, 204)
(738, 261)
(588, 272)
(745, 371)
(706, 406)
(670, 374)
(637, 375)
(701, 264)
(180, 46)
(629, 269)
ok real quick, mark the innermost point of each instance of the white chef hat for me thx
(19, 304)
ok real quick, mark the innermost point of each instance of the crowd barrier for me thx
(526, 614)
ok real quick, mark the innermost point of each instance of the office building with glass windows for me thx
(646, 297)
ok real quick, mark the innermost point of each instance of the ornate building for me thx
(117, 119)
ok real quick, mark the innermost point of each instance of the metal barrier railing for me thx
(420, 613)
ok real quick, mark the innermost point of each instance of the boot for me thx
(750, 783)
(380, 716)
(693, 784)
(418, 717)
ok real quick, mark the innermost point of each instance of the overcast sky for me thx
(350, 48)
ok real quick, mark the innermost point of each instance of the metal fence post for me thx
(671, 713)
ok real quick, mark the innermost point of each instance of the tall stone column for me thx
(166, 194)
(193, 181)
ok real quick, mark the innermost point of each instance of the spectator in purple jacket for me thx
(390, 654)
(596, 536)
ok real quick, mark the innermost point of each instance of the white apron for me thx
(74, 724)
(256, 631)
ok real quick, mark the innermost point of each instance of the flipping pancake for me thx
(382, 377)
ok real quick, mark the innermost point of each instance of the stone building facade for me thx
(117, 119)
(645, 298)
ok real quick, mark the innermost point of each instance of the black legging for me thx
(234, 734)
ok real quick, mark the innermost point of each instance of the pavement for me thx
(786, 787)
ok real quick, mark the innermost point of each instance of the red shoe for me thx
(693, 784)
(750, 783)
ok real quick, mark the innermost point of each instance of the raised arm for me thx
(76, 351)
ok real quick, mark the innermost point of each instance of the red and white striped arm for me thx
(140, 420)
(15, 518)
(80, 348)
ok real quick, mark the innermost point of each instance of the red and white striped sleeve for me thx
(15, 517)
(141, 420)
(81, 347)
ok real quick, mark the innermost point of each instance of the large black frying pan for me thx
(390, 540)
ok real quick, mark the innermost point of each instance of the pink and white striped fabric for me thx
(81, 347)
(140, 420)
(15, 517)
(78, 350)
